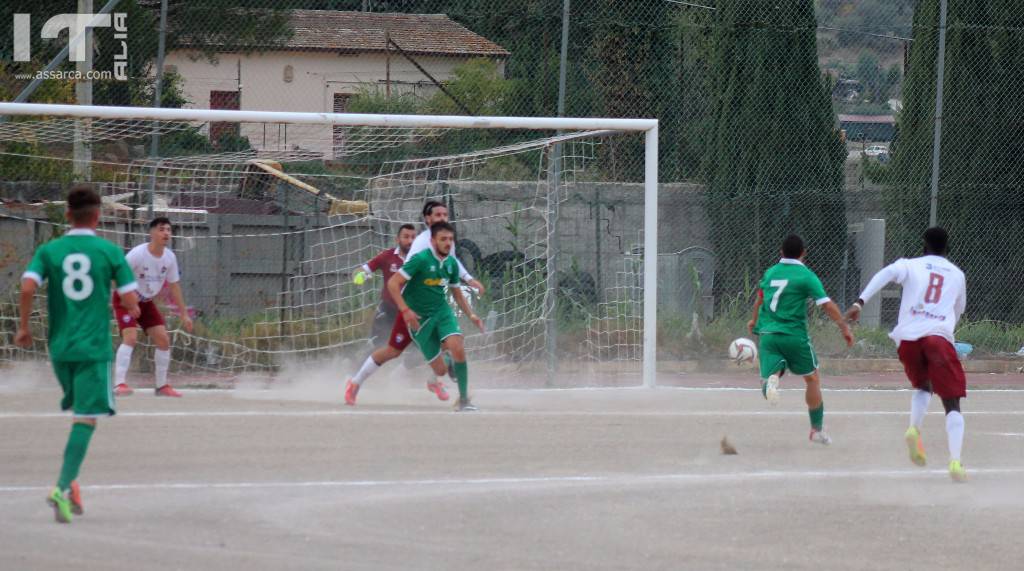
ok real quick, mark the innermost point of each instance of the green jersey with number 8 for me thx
(785, 288)
(80, 267)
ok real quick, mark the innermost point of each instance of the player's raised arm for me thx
(894, 272)
(365, 271)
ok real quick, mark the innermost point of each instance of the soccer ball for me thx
(743, 351)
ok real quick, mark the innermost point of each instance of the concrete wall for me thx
(235, 265)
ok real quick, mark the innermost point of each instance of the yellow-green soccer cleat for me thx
(61, 506)
(957, 472)
(915, 446)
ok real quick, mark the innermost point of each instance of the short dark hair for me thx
(405, 227)
(429, 207)
(936, 240)
(82, 203)
(793, 246)
(441, 227)
(160, 220)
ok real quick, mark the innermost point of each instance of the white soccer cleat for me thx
(771, 390)
(820, 437)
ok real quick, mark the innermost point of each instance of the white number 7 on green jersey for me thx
(781, 284)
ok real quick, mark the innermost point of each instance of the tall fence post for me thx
(154, 145)
(871, 254)
(83, 96)
(940, 72)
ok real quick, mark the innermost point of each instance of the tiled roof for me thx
(337, 31)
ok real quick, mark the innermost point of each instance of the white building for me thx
(330, 56)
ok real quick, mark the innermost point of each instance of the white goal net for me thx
(275, 212)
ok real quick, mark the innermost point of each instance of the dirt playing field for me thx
(563, 479)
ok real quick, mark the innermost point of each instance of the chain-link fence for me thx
(815, 117)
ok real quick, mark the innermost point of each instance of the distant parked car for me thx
(880, 152)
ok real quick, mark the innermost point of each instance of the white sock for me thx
(369, 367)
(122, 363)
(919, 407)
(955, 433)
(162, 360)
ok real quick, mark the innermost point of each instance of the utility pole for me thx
(83, 96)
(940, 72)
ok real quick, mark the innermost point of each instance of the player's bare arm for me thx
(477, 285)
(460, 300)
(179, 299)
(758, 301)
(23, 338)
(130, 301)
(832, 311)
(894, 272)
(395, 285)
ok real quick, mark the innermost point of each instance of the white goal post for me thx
(649, 128)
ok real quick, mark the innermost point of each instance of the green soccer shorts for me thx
(434, 330)
(779, 352)
(88, 390)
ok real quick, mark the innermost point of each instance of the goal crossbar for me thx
(649, 127)
(340, 119)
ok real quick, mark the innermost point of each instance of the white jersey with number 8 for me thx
(934, 296)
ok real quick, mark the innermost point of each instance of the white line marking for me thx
(1013, 434)
(492, 413)
(713, 478)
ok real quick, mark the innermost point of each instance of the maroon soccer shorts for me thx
(151, 316)
(400, 337)
(931, 362)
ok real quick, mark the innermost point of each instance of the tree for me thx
(869, 72)
(979, 198)
(633, 76)
(774, 162)
(478, 85)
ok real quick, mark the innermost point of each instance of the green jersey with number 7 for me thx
(786, 287)
(80, 267)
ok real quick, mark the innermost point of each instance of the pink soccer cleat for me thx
(351, 390)
(167, 391)
(438, 389)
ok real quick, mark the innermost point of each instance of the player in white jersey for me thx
(433, 212)
(934, 298)
(153, 264)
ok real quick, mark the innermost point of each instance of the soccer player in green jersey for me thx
(419, 290)
(780, 318)
(79, 268)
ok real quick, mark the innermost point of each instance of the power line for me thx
(863, 33)
(692, 5)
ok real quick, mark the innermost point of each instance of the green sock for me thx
(74, 453)
(462, 376)
(817, 416)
